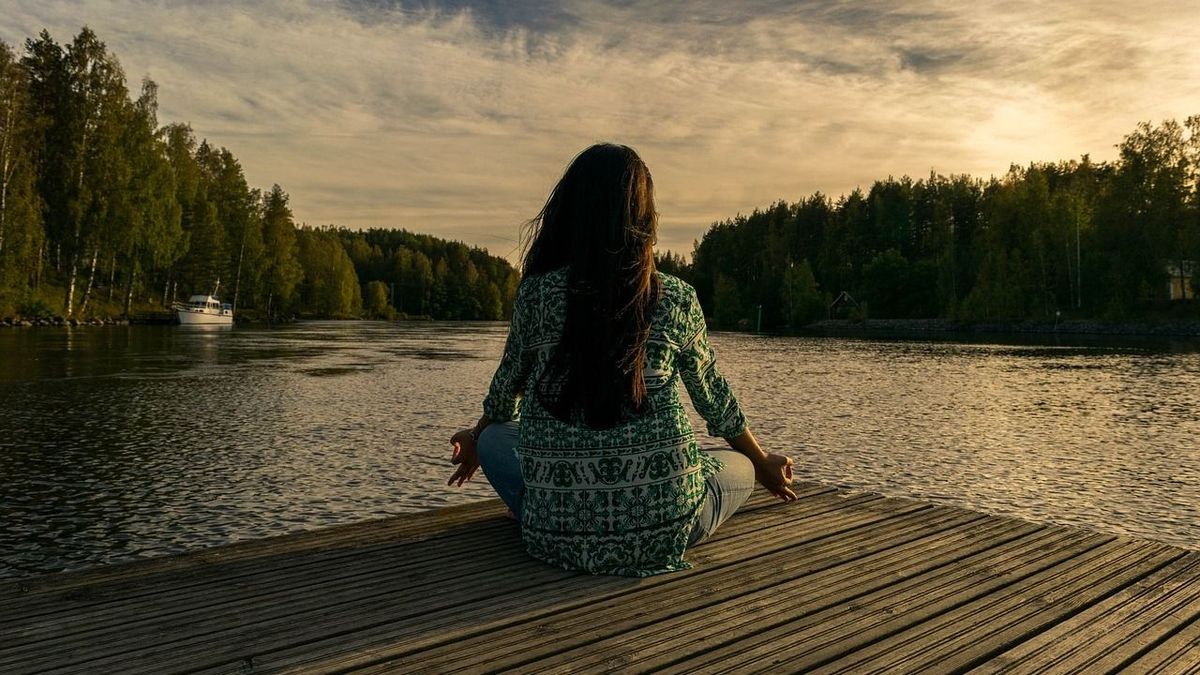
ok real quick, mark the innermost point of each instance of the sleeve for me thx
(500, 404)
(708, 389)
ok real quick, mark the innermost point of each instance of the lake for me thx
(119, 443)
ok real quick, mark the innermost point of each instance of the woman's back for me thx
(603, 466)
(620, 500)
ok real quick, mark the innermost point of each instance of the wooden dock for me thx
(835, 582)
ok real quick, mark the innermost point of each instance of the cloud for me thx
(456, 118)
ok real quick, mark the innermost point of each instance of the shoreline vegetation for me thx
(1097, 246)
(106, 216)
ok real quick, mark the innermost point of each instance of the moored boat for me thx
(204, 310)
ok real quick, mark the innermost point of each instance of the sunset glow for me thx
(455, 119)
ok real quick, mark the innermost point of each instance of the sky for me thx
(456, 118)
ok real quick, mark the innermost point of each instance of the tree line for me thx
(1077, 239)
(103, 211)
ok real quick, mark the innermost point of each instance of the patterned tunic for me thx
(621, 500)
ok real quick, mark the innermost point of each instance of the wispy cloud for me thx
(456, 118)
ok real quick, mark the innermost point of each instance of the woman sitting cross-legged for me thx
(583, 434)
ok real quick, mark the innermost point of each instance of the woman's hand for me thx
(465, 456)
(774, 472)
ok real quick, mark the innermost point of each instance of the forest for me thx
(103, 212)
(1112, 241)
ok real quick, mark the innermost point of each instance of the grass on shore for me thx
(48, 301)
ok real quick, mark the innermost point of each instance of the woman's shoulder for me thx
(534, 287)
(548, 278)
(677, 308)
(675, 291)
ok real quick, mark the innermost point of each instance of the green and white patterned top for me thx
(622, 500)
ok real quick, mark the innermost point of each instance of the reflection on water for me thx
(125, 442)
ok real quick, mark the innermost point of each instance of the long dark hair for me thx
(600, 223)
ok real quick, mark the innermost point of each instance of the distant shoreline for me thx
(945, 326)
(167, 318)
(826, 327)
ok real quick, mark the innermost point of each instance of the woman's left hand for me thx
(465, 456)
(774, 472)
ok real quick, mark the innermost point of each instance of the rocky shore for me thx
(138, 318)
(10, 322)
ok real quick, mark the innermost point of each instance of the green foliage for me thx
(885, 284)
(894, 288)
(101, 205)
(728, 310)
(35, 306)
(282, 267)
(433, 277)
(21, 232)
(1077, 237)
(673, 264)
(805, 303)
(329, 286)
(375, 301)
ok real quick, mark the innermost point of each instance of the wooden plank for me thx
(265, 584)
(414, 526)
(1179, 654)
(1176, 655)
(56, 592)
(819, 636)
(159, 612)
(576, 592)
(192, 639)
(70, 615)
(958, 638)
(400, 636)
(114, 636)
(62, 610)
(531, 640)
(655, 643)
(834, 582)
(1099, 638)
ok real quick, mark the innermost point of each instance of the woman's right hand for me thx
(774, 472)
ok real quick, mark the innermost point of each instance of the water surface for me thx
(127, 442)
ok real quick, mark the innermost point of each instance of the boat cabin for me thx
(204, 302)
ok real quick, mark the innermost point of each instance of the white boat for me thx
(204, 310)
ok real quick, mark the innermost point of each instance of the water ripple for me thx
(124, 443)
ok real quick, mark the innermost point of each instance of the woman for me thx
(602, 469)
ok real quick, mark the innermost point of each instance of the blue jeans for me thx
(728, 489)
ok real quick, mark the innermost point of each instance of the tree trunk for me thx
(129, 290)
(37, 269)
(1045, 283)
(6, 165)
(112, 276)
(1070, 274)
(1078, 267)
(237, 277)
(4, 176)
(78, 228)
(166, 289)
(87, 294)
(71, 286)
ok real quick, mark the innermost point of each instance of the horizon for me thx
(455, 119)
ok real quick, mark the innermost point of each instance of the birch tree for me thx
(20, 214)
